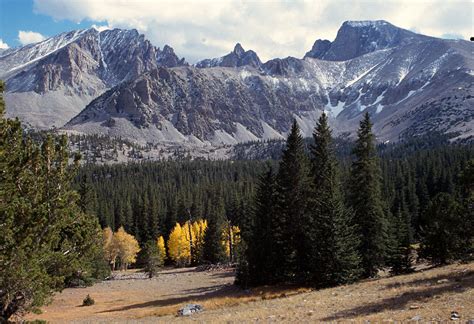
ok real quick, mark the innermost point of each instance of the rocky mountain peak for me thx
(168, 58)
(356, 38)
(238, 50)
(365, 23)
(238, 57)
(116, 82)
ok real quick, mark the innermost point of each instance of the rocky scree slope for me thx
(411, 84)
(50, 82)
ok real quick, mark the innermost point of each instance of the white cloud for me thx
(3, 45)
(273, 28)
(28, 37)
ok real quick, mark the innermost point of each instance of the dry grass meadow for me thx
(427, 295)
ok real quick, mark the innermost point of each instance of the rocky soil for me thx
(427, 295)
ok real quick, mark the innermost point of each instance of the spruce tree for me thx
(333, 249)
(442, 236)
(466, 189)
(256, 268)
(213, 249)
(292, 183)
(152, 258)
(400, 258)
(366, 200)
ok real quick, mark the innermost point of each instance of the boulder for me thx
(190, 309)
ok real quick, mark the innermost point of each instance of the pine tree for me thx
(288, 234)
(45, 237)
(152, 257)
(332, 251)
(466, 189)
(86, 196)
(170, 217)
(400, 258)
(442, 236)
(260, 257)
(213, 249)
(366, 201)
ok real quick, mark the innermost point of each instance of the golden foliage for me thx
(110, 248)
(128, 247)
(178, 247)
(160, 243)
(179, 243)
(231, 239)
(120, 245)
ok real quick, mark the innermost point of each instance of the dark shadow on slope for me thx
(457, 283)
(176, 271)
(202, 290)
(222, 291)
(225, 274)
(457, 277)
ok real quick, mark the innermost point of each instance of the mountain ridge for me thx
(67, 71)
(410, 84)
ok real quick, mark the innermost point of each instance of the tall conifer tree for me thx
(290, 215)
(260, 257)
(333, 250)
(366, 201)
(399, 251)
(213, 249)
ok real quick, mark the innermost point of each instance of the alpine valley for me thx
(116, 83)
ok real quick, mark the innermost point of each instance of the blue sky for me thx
(199, 29)
(16, 15)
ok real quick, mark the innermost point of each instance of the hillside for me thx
(429, 294)
(116, 83)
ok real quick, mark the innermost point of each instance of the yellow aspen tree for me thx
(199, 229)
(160, 243)
(188, 235)
(110, 247)
(178, 246)
(231, 239)
(127, 246)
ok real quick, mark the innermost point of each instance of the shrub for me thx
(88, 301)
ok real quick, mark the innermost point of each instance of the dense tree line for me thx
(304, 230)
(148, 198)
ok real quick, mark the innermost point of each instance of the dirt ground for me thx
(429, 295)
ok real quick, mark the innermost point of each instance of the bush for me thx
(88, 301)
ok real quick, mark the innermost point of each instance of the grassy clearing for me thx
(429, 294)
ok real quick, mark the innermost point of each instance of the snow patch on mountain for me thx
(366, 23)
(337, 109)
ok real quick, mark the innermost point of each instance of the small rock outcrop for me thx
(190, 309)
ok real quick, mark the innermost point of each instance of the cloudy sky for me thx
(201, 29)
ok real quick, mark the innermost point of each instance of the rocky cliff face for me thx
(409, 89)
(356, 38)
(48, 83)
(411, 84)
(238, 57)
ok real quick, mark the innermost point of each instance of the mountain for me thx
(238, 57)
(356, 38)
(410, 84)
(49, 82)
